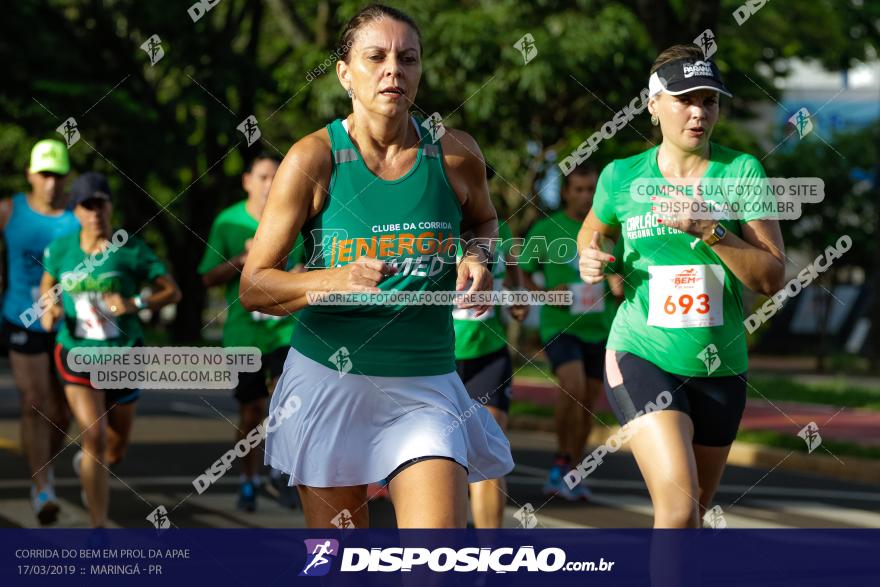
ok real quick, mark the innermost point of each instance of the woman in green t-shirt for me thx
(574, 335)
(483, 362)
(676, 357)
(102, 272)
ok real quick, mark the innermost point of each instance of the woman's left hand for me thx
(688, 215)
(473, 267)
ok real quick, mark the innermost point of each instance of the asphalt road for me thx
(177, 435)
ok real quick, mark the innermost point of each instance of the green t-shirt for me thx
(551, 248)
(683, 306)
(86, 277)
(475, 337)
(231, 229)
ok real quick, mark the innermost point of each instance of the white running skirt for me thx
(357, 429)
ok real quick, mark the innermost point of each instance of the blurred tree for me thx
(162, 132)
(862, 22)
(849, 208)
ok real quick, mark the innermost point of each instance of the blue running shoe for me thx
(555, 483)
(247, 497)
(45, 505)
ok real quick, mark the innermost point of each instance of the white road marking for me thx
(21, 513)
(823, 511)
(765, 490)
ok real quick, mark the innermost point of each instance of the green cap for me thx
(49, 155)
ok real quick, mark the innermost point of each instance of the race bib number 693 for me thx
(686, 296)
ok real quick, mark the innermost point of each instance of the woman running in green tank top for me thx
(370, 391)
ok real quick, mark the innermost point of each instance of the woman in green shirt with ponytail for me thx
(676, 358)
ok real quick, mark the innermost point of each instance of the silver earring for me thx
(654, 120)
(350, 93)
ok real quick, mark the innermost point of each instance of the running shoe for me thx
(557, 486)
(580, 493)
(77, 462)
(555, 483)
(77, 465)
(45, 504)
(278, 488)
(247, 496)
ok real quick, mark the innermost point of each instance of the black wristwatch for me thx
(718, 233)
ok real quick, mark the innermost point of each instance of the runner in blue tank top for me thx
(29, 223)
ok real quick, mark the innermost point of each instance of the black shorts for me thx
(70, 377)
(27, 342)
(564, 348)
(252, 386)
(489, 378)
(715, 404)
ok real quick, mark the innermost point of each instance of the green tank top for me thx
(412, 223)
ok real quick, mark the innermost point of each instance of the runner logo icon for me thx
(342, 359)
(709, 356)
(250, 129)
(810, 434)
(434, 124)
(802, 122)
(153, 48)
(714, 519)
(526, 46)
(159, 518)
(319, 556)
(526, 516)
(70, 131)
(343, 520)
(706, 42)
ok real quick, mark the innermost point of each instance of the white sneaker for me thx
(77, 465)
(77, 461)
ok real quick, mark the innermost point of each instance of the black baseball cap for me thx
(686, 75)
(89, 186)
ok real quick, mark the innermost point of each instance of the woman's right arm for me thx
(298, 192)
(593, 259)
